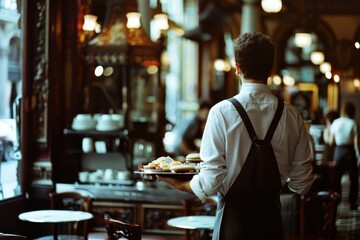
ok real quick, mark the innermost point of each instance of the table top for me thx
(55, 216)
(193, 222)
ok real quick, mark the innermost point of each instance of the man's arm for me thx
(182, 185)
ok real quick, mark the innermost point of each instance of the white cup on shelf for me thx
(87, 145)
(108, 174)
(84, 176)
(123, 175)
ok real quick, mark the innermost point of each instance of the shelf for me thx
(124, 134)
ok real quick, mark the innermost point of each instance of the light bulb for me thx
(271, 6)
(302, 39)
(133, 20)
(317, 57)
(89, 22)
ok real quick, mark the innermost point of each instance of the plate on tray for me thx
(153, 171)
(151, 175)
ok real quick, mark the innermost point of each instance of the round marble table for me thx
(197, 222)
(55, 216)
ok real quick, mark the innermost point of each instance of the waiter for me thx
(249, 202)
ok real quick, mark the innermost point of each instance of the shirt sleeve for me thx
(301, 170)
(213, 170)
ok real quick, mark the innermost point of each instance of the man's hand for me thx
(182, 185)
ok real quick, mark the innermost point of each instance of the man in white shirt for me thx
(226, 143)
(346, 153)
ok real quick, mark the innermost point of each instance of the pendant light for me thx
(89, 22)
(303, 39)
(325, 67)
(271, 6)
(317, 57)
(133, 20)
(302, 36)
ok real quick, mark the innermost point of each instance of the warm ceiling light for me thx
(336, 78)
(356, 83)
(328, 75)
(89, 22)
(288, 80)
(133, 20)
(276, 79)
(357, 45)
(271, 6)
(302, 39)
(161, 21)
(317, 57)
(325, 67)
(221, 65)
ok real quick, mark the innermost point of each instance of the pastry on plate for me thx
(161, 163)
(193, 157)
(182, 168)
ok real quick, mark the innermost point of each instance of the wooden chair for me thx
(318, 212)
(72, 201)
(117, 229)
(12, 236)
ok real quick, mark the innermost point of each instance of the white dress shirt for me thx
(225, 143)
(344, 131)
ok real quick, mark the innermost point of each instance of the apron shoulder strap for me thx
(245, 118)
(249, 126)
(275, 121)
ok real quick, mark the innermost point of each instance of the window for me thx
(10, 98)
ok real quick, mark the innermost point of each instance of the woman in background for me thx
(344, 135)
(329, 148)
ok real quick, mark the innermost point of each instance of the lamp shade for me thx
(89, 22)
(133, 20)
(161, 21)
(302, 39)
(271, 6)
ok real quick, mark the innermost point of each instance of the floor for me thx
(348, 222)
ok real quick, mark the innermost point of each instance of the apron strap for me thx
(275, 121)
(249, 126)
(245, 118)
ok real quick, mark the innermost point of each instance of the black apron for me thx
(251, 209)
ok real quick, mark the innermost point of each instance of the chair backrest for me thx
(318, 212)
(73, 201)
(12, 236)
(117, 229)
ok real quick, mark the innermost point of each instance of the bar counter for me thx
(150, 206)
(150, 194)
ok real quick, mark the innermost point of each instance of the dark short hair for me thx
(332, 115)
(349, 109)
(254, 52)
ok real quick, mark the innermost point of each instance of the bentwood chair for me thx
(71, 201)
(117, 229)
(10, 236)
(318, 211)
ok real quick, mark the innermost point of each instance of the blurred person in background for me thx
(346, 153)
(190, 131)
(329, 147)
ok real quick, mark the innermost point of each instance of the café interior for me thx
(101, 85)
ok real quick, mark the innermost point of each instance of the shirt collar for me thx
(254, 87)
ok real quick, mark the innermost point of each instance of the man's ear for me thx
(238, 70)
